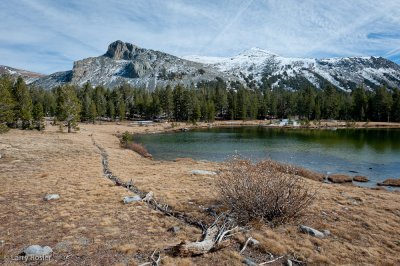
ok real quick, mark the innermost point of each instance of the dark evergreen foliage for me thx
(205, 101)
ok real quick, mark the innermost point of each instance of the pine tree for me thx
(382, 104)
(396, 105)
(85, 97)
(68, 106)
(210, 111)
(359, 104)
(167, 101)
(38, 116)
(7, 103)
(23, 103)
(92, 112)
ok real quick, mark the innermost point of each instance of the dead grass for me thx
(138, 148)
(100, 230)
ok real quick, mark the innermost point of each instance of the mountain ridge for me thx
(128, 63)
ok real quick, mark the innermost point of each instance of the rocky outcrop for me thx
(340, 179)
(36, 250)
(313, 232)
(28, 76)
(360, 178)
(51, 197)
(127, 63)
(119, 50)
(390, 182)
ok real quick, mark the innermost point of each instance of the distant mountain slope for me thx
(28, 76)
(344, 73)
(127, 63)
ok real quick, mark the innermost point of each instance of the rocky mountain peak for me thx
(127, 63)
(120, 50)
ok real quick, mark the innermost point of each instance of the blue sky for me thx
(48, 35)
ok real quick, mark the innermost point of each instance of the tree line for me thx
(25, 107)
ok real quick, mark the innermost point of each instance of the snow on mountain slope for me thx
(344, 73)
(128, 63)
(28, 76)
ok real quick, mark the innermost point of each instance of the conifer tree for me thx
(23, 103)
(68, 106)
(396, 105)
(38, 116)
(7, 103)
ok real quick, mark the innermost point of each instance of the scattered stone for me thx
(36, 250)
(202, 172)
(51, 197)
(174, 229)
(311, 231)
(360, 178)
(63, 246)
(340, 178)
(326, 232)
(289, 263)
(249, 262)
(392, 182)
(84, 241)
(129, 199)
(254, 242)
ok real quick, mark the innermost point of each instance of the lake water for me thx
(374, 153)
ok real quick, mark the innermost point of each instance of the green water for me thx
(374, 153)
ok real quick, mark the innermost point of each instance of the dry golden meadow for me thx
(89, 224)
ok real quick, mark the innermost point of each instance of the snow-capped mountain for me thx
(345, 73)
(28, 76)
(127, 63)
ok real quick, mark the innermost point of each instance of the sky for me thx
(47, 36)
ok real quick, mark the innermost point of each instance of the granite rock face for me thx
(126, 63)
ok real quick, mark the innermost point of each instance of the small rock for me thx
(63, 246)
(326, 232)
(311, 231)
(392, 182)
(202, 172)
(340, 178)
(249, 262)
(254, 242)
(289, 263)
(129, 199)
(36, 250)
(174, 229)
(83, 241)
(51, 197)
(360, 178)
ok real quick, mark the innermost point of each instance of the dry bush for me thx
(262, 192)
(139, 148)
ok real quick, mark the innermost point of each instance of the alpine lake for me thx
(374, 153)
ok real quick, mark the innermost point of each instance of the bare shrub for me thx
(264, 191)
(139, 148)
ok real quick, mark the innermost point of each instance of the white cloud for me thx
(47, 36)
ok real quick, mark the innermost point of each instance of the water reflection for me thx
(371, 152)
